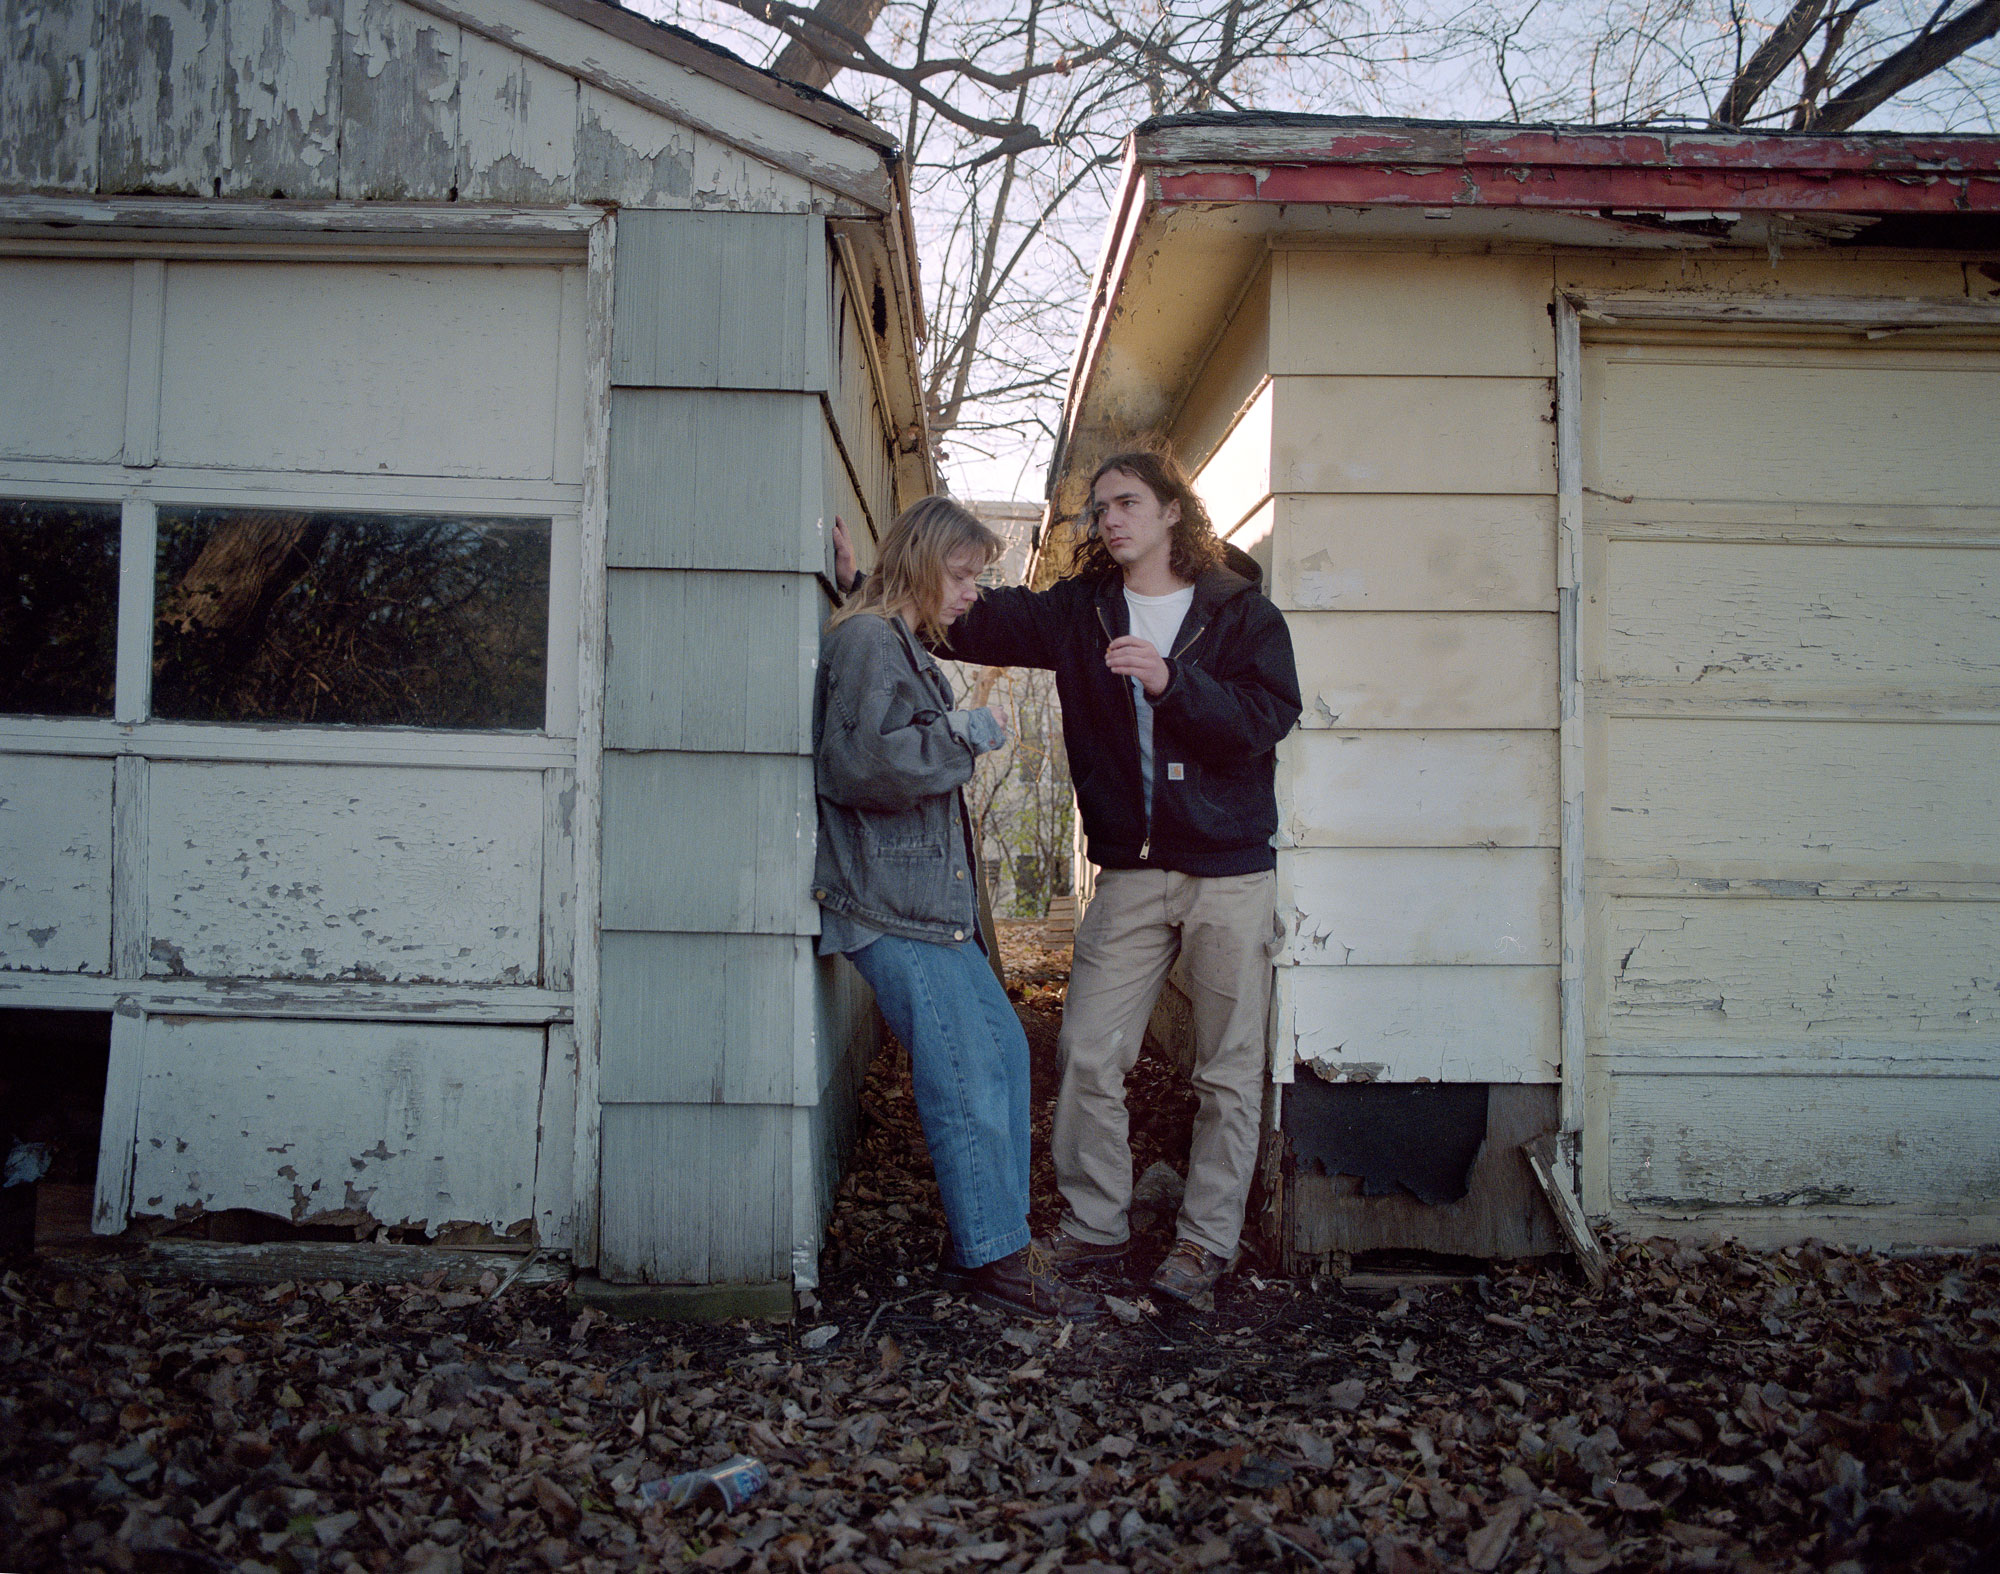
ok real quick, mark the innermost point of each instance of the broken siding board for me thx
(703, 878)
(697, 1193)
(694, 1019)
(285, 69)
(1394, 907)
(411, 1124)
(1396, 314)
(715, 479)
(1414, 554)
(338, 872)
(398, 103)
(1791, 619)
(1887, 426)
(55, 864)
(721, 300)
(1237, 477)
(517, 125)
(111, 1203)
(1418, 789)
(1791, 969)
(164, 87)
(1787, 800)
(1422, 1024)
(558, 878)
(715, 663)
(630, 156)
(1778, 1141)
(427, 370)
(50, 97)
(1421, 670)
(65, 335)
(1479, 435)
(555, 1142)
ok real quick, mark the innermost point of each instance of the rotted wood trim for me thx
(282, 998)
(75, 219)
(1838, 312)
(278, 1262)
(1569, 581)
(118, 1130)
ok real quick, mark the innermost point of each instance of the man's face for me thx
(1135, 525)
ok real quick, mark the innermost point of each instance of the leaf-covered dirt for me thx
(1714, 1409)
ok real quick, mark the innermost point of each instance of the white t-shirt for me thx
(1156, 620)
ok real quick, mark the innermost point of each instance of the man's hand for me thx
(1132, 657)
(843, 557)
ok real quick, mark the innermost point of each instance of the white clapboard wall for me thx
(1790, 665)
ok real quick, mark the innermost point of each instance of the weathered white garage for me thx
(418, 429)
(1632, 501)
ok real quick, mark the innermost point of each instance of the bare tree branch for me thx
(1778, 51)
(1930, 51)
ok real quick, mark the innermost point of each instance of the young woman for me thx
(897, 886)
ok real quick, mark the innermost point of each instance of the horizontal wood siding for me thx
(1419, 789)
(1399, 314)
(1414, 554)
(1426, 669)
(1392, 907)
(1791, 664)
(697, 1193)
(1421, 1023)
(1469, 435)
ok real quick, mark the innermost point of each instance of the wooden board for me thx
(1887, 426)
(1236, 366)
(517, 126)
(55, 864)
(64, 332)
(1413, 434)
(422, 370)
(700, 878)
(700, 1019)
(163, 85)
(1482, 670)
(1418, 789)
(715, 479)
(398, 103)
(697, 1193)
(1502, 1215)
(49, 103)
(1792, 620)
(627, 155)
(276, 871)
(1457, 314)
(1777, 1141)
(721, 663)
(1393, 908)
(1237, 476)
(1799, 969)
(1788, 800)
(1420, 1024)
(1414, 554)
(284, 98)
(406, 1123)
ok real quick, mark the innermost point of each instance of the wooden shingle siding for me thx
(678, 833)
(721, 300)
(707, 1019)
(711, 662)
(697, 1193)
(715, 479)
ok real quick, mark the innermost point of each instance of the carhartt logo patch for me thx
(1176, 773)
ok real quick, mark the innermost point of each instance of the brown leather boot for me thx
(1027, 1281)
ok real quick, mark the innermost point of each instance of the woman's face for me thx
(961, 585)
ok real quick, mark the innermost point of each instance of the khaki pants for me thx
(1138, 922)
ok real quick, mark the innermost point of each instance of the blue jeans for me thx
(969, 1065)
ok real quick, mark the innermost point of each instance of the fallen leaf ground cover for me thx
(1716, 1408)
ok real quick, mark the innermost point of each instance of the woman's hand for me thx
(843, 557)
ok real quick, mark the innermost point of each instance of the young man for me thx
(1176, 680)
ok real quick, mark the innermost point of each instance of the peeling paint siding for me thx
(628, 156)
(1414, 553)
(399, 103)
(1397, 907)
(517, 124)
(165, 96)
(422, 1124)
(55, 864)
(1804, 1141)
(343, 872)
(1426, 670)
(64, 332)
(1423, 1024)
(725, 179)
(284, 109)
(49, 97)
(1419, 789)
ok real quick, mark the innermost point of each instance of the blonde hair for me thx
(910, 567)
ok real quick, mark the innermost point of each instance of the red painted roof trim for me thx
(1474, 166)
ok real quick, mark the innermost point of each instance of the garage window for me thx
(58, 607)
(365, 619)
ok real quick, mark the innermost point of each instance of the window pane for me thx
(58, 608)
(372, 620)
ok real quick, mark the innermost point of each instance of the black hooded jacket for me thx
(1232, 692)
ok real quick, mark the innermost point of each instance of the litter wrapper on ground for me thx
(735, 1481)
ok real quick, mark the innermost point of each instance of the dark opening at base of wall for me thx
(1413, 1167)
(52, 1068)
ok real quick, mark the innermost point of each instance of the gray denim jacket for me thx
(890, 752)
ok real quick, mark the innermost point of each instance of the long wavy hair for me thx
(1195, 548)
(910, 567)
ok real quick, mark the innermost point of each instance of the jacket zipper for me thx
(1146, 841)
